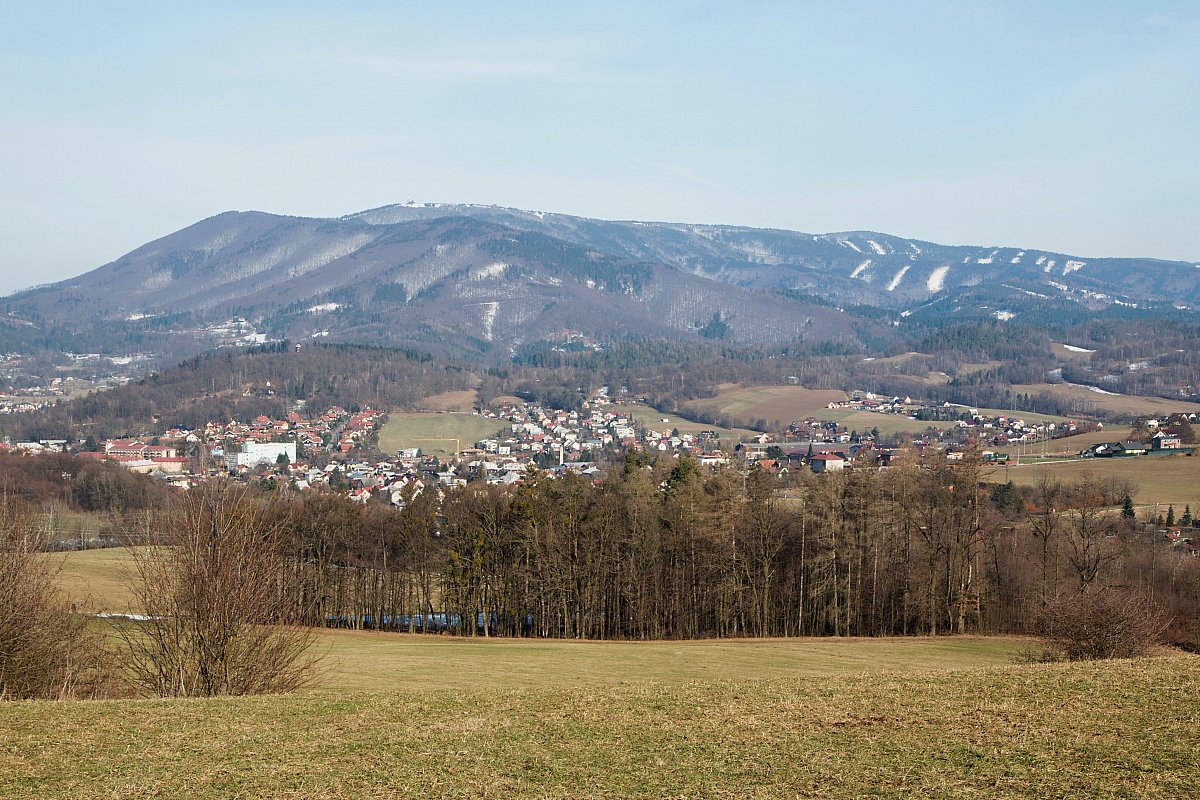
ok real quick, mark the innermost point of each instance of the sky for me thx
(1065, 126)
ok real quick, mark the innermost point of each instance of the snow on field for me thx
(891, 287)
(988, 259)
(1049, 266)
(489, 318)
(859, 269)
(324, 308)
(918, 250)
(1003, 316)
(1138, 365)
(1095, 389)
(877, 247)
(849, 244)
(1074, 349)
(1015, 260)
(490, 271)
(937, 278)
(1072, 266)
(1040, 260)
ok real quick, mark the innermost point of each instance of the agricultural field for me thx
(1117, 729)
(1073, 445)
(461, 401)
(653, 419)
(1088, 400)
(407, 429)
(863, 421)
(1156, 479)
(781, 403)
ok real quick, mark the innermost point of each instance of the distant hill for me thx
(486, 283)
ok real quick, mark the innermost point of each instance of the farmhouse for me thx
(826, 462)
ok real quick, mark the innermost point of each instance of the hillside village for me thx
(337, 449)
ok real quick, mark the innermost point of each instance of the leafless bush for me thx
(1104, 623)
(216, 620)
(46, 651)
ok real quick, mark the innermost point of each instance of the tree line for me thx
(666, 551)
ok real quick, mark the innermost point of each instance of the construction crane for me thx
(457, 444)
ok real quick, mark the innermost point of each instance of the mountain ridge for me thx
(487, 281)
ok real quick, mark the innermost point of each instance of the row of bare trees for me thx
(665, 551)
(232, 585)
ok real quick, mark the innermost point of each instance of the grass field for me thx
(406, 429)
(1119, 729)
(96, 579)
(782, 403)
(652, 419)
(863, 421)
(397, 661)
(462, 401)
(1133, 405)
(398, 716)
(1156, 479)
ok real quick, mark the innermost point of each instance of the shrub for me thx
(46, 651)
(216, 620)
(1104, 623)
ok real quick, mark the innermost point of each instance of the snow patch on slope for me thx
(877, 247)
(490, 271)
(1072, 266)
(849, 244)
(891, 287)
(489, 318)
(937, 278)
(859, 269)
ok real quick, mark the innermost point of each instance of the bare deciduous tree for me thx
(217, 620)
(45, 650)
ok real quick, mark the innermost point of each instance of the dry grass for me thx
(462, 401)
(98, 580)
(397, 716)
(783, 403)
(1117, 729)
(407, 429)
(390, 661)
(506, 400)
(1156, 479)
(652, 419)
(1132, 405)
(1061, 352)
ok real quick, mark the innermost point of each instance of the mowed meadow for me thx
(399, 716)
(1098, 730)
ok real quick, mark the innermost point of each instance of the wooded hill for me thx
(242, 384)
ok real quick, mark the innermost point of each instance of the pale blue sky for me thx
(1066, 126)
